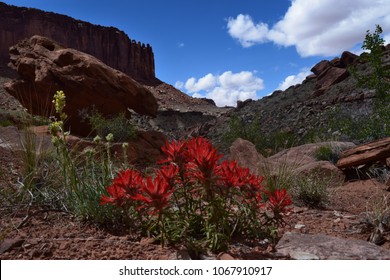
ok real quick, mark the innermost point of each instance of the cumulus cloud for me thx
(246, 32)
(294, 79)
(225, 89)
(325, 27)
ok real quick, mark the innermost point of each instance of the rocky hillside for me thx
(303, 110)
(108, 44)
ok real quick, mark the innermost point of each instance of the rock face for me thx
(45, 67)
(108, 44)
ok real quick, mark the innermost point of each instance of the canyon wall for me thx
(108, 44)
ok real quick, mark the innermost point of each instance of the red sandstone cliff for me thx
(108, 44)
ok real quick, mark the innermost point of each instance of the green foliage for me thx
(379, 77)
(328, 153)
(83, 176)
(121, 127)
(6, 122)
(311, 190)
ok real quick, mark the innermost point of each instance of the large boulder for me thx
(348, 58)
(245, 154)
(45, 66)
(320, 67)
(145, 149)
(299, 160)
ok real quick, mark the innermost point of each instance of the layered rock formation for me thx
(108, 44)
(46, 66)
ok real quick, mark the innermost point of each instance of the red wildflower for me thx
(204, 160)
(155, 193)
(129, 180)
(279, 201)
(169, 172)
(125, 185)
(175, 152)
(116, 196)
(233, 175)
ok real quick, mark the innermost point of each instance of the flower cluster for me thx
(196, 194)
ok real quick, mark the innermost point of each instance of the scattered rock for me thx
(46, 66)
(299, 226)
(9, 244)
(329, 247)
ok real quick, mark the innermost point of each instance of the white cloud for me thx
(225, 89)
(205, 83)
(180, 45)
(179, 85)
(294, 79)
(315, 27)
(246, 32)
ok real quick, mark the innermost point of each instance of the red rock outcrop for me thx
(45, 67)
(108, 44)
(368, 153)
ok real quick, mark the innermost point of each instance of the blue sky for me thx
(231, 50)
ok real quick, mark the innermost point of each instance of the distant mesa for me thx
(108, 44)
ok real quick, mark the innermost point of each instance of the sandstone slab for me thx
(326, 247)
(365, 154)
(331, 76)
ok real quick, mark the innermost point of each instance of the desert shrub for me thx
(378, 218)
(266, 143)
(83, 176)
(121, 127)
(195, 199)
(6, 122)
(311, 190)
(279, 176)
(378, 171)
(328, 153)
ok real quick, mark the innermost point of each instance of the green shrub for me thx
(266, 143)
(328, 153)
(121, 127)
(311, 190)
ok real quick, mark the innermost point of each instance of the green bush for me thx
(311, 190)
(121, 127)
(266, 143)
(328, 153)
